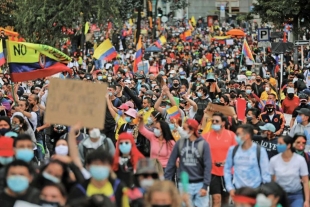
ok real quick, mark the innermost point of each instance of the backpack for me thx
(257, 154)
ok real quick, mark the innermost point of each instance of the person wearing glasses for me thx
(220, 140)
(300, 141)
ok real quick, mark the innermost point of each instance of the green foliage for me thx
(280, 11)
(7, 8)
(42, 20)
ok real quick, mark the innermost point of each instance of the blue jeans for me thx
(98, 64)
(296, 199)
(196, 199)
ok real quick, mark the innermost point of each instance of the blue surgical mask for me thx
(146, 108)
(216, 127)
(182, 77)
(248, 91)
(157, 132)
(139, 81)
(127, 119)
(281, 148)
(249, 105)
(99, 172)
(202, 81)
(199, 94)
(120, 112)
(125, 70)
(125, 148)
(239, 140)
(299, 119)
(110, 93)
(172, 127)
(24, 154)
(17, 183)
(168, 107)
(50, 177)
(6, 160)
(153, 85)
(150, 121)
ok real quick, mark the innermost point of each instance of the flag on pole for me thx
(86, 27)
(193, 20)
(246, 51)
(138, 58)
(105, 51)
(161, 41)
(2, 58)
(29, 61)
(188, 36)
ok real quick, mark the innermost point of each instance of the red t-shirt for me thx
(288, 105)
(219, 145)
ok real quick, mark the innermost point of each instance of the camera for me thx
(218, 164)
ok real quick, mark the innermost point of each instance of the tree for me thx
(7, 8)
(42, 21)
(280, 11)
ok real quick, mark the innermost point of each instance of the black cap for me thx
(304, 111)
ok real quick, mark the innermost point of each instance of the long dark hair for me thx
(275, 189)
(22, 122)
(288, 140)
(167, 135)
(157, 115)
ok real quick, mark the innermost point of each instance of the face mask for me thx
(127, 119)
(175, 84)
(50, 177)
(150, 121)
(125, 148)
(267, 89)
(168, 107)
(17, 183)
(110, 93)
(24, 154)
(139, 81)
(171, 75)
(153, 85)
(270, 110)
(199, 79)
(146, 183)
(281, 148)
(15, 127)
(61, 150)
(6, 160)
(249, 118)
(183, 134)
(45, 203)
(216, 127)
(239, 140)
(199, 94)
(232, 96)
(120, 112)
(249, 105)
(202, 81)
(94, 133)
(99, 172)
(248, 91)
(3, 131)
(99, 77)
(182, 77)
(146, 108)
(267, 76)
(171, 126)
(125, 70)
(109, 78)
(157, 132)
(299, 119)
(290, 95)
(295, 79)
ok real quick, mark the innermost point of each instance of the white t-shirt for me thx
(288, 173)
(190, 113)
(307, 77)
(34, 120)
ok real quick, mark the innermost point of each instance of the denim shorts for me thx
(193, 191)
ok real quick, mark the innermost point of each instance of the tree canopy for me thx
(279, 12)
(6, 10)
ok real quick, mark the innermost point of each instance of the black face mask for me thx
(249, 119)
(49, 204)
(270, 110)
(257, 80)
(232, 96)
(302, 104)
(290, 95)
(176, 85)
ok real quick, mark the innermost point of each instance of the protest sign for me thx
(241, 108)
(70, 101)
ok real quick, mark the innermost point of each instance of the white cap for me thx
(290, 90)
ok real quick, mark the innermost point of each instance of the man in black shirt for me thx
(267, 139)
(252, 119)
(303, 98)
(90, 64)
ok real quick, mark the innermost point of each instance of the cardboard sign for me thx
(241, 108)
(226, 110)
(71, 101)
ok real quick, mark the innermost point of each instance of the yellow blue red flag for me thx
(161, 41)
(29, 61)
(246, 51)
(105, 51)
(138, 58)
(2, 58)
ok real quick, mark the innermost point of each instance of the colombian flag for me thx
(138, 58)
(115, 67)
(188, 36)
(2, 59)
(28, 61)
(161, 41)
(173, 112)
(246, 51)
(105, 51)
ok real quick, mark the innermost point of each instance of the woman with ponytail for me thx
(290, 171)
(126, 158)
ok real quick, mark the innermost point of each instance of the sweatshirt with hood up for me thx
(197, 166)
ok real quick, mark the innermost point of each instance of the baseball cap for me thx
(268, 127)
(192, 123)
(304, 111)
(269, 103)
(172, 71)
(149, 93)
(147, 166)
(6, 147)
(124, 107)
(290, 90)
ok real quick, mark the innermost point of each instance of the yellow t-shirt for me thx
(119, 122)
(146, 114)
(106, 190)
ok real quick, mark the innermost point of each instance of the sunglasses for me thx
(121, 143)
(154, 176)
(215, 121)
(301, 143)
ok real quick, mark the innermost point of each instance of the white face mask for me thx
(183, 134)
(61, 150)
(267, 89)
(95, 133)
(295, 79)
(146, 183)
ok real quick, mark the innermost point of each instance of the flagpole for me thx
(241, 55)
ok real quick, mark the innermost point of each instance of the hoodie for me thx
(197, 166)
